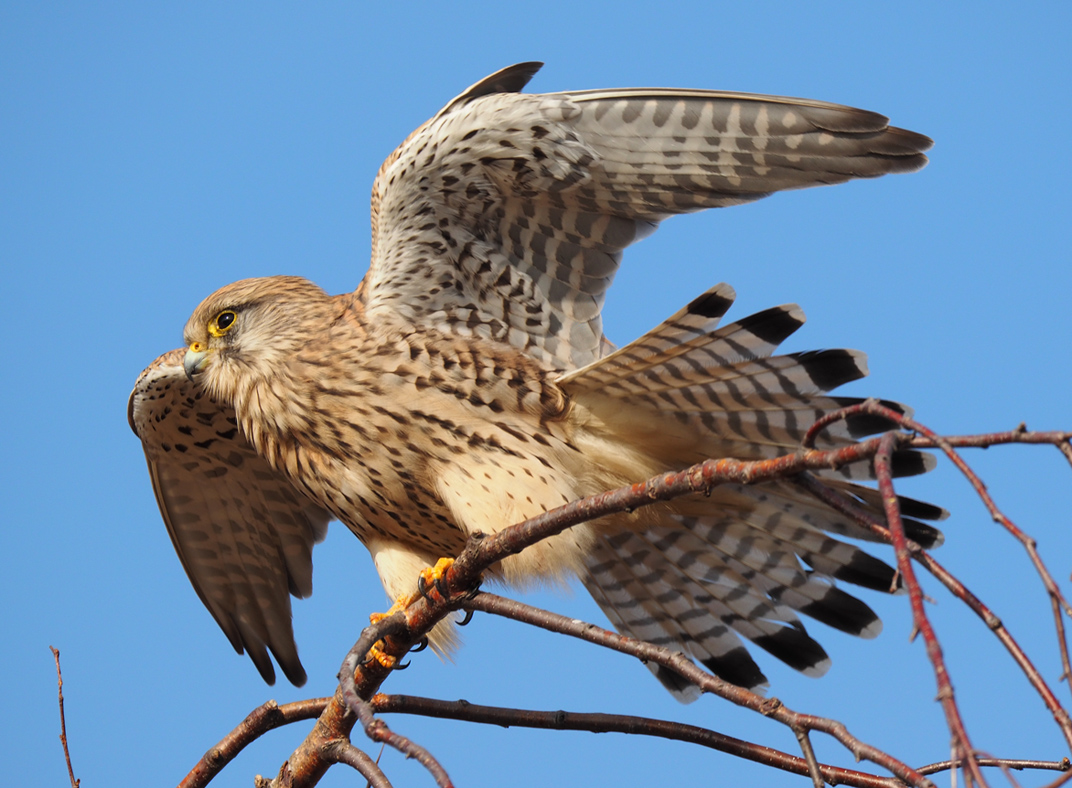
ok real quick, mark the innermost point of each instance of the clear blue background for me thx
(150, 153)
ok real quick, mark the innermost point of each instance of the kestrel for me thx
(467, 385)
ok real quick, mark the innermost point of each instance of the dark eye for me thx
(222, 323)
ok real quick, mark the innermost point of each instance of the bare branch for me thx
(679, 663)
(262, 719)
(929, 439)
(849, 508)
(1020, 435)
(361, 678)
(618, 723)
(1062, 765)
(341, 751)
(63, 720)
(378, 731)
(884, 471)
(809, 757)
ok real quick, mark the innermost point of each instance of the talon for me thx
(375, 654)
(402, 666)
(420, 646)
(467, 616)
(435, 575)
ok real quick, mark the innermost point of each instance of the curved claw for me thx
(376, 654)
(435, 575)
(419, 646)
(402, 665)
(467, 616)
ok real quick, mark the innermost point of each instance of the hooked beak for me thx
(194, 360)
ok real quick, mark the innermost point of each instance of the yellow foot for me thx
(430, 576)
(375, 653)
(434, 575)
(401, 603)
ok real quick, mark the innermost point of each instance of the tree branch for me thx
(63, 721)
(884, 470)
(341, 751)
(931, 440)
(619, 723)
(262, 719)
(360, 677)
(679, 663)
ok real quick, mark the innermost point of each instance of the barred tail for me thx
(743, 562)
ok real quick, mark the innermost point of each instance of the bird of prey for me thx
(466, 384)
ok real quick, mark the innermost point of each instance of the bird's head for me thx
(246, 332)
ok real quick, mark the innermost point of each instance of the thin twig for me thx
(1062, 765)
(1066, 449)
(927, 438)
(1020, 435)
(809, 757)
(842, 503)
(63, 720)
(884, 472)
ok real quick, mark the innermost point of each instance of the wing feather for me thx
(243, 533)
(506, 215)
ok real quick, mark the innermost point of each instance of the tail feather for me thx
(771, 565)
(646, 594)
(634, 611)
(689, 346)
(723, 384)
(744, 561)
(670, 619)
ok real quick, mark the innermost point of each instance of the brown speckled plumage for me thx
(467, 385)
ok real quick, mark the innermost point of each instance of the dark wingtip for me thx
(921, 509)
(290, 664)
(796, 649)
(867, 571)
(507, 80)
(829, 369)
(259, 655)
(737, 667)
(774, 325)
(843, 612)
(678, 685)
(922, 534)
(295, 674)
(712, 304)
(861, 425)
(908, 462)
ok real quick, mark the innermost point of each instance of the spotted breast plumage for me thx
(467, 384)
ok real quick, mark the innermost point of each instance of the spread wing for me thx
(506, 214)
(244, 534)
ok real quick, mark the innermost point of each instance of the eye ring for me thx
(222, 323)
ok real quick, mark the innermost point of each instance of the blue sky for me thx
(150, 153)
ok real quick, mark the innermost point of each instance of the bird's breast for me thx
(429, 439)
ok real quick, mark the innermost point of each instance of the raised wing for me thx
(243, 533)
(506, 215)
